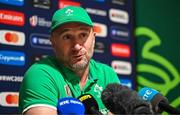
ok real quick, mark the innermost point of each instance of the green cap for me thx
(70, 14)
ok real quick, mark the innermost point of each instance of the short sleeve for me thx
(38, 88)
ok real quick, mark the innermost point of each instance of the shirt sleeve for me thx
(38, 88)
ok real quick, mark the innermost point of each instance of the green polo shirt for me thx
(47, 81)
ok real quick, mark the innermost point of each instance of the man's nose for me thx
(77, 47)
(77, 44)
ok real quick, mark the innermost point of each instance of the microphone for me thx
(91, 106)
(70, 105)
(122, 100)
(158, 101)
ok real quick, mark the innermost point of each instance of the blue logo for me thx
(126, 82)
(40, 41)
(13, 2)
(147, 93)
(119, 33)
(12, 58)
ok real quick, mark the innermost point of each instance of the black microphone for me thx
(158, 101)
(91, 106)
(123, 100)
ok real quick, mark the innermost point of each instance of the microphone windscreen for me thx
(70, 105)
(120, 99)
(110, 97)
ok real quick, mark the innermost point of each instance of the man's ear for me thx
(94, 34)
(52, 40)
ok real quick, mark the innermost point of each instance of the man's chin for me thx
(79, 65)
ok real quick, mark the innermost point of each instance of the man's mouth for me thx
(77, 58)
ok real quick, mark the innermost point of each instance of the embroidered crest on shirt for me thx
(67, 89)
(98, 89)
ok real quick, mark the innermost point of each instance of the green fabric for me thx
(47, 81)
(70, 14)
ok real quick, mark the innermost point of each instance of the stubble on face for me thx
(81, 65)
(84, 61)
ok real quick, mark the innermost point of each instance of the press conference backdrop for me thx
(158, 39)
(24, 39)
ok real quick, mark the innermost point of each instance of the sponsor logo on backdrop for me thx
(126, 82)
(122, 67)
(120, 2)
(11, 78)
(100, 29)
(100, 0)
(64, 3)
(44, 4)
(9, 99)
(120, 50)
(96, 11)
(119, 16)
(37, 58)
(99, 47)
(40, 41)
(13, 2)
(12, 17)
(12, 58)
(10, 37)
(39, 21)
(119, 33)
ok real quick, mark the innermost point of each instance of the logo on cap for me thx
(69, 12)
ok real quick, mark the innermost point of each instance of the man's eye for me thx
(66, 37)
(83, 35)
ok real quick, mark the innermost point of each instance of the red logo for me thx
(10, 37)
(12, 17)
(64, 3)
(100, 29)
(9, 99)
(120, 50)
(12, 99)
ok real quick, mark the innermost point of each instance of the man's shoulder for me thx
(45, 65)
(99, 65)
(104, 72)
(99, 68)
(47, 62)
(43, 70)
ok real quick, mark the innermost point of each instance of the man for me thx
(71, 72)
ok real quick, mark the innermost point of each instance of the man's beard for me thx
(83, 64)
(80, 65)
